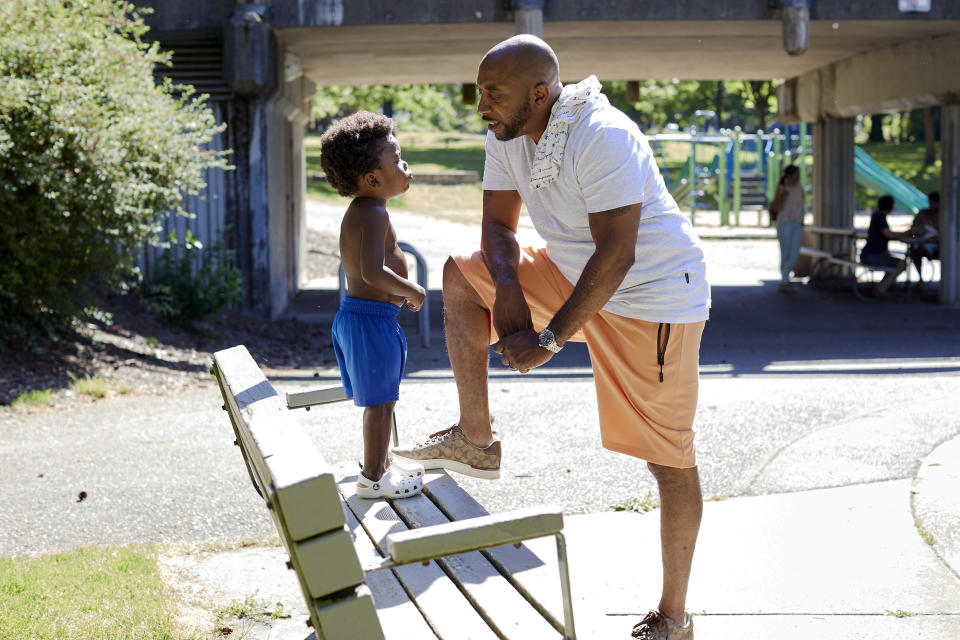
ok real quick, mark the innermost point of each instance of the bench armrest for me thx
(473, 534)
(313, 397)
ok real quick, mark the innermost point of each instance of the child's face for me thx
(393, 174)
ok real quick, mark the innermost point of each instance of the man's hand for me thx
(415, 301)
(510, 310)
(521, 351)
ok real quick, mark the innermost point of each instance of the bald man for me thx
(622, 269)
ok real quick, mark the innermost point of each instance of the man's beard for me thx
(512, 129)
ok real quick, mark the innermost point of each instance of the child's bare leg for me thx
(377, 427)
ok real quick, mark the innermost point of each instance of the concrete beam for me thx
(683, 49)
(924, 70)
(172, 15)
(898, 77)
(395, 12)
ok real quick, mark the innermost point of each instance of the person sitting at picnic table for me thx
(925, 234)
(875, 253)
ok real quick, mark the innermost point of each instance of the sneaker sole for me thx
(453, 465)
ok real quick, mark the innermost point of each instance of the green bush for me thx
(94, 154)
(192, 282)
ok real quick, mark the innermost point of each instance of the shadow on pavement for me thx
(753, 330)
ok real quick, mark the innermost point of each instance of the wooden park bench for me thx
(435, 566)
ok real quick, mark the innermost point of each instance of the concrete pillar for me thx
(834, 190)
(950, 201)
(528, 17)
(303, 121)
(250, 67)
(289, 114)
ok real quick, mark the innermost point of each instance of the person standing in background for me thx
(787, 209)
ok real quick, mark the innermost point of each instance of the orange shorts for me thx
(639, 415)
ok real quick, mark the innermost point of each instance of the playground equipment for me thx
(869, 173)
(729, 169)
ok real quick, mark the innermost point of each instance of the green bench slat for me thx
(492, 594)
(449, 614)
(328, 562)
(399, 617)
(351, 618)
(536, 577)
(474, 534)
(299, 484)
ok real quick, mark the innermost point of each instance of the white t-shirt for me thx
(608, 163)
(792, 209)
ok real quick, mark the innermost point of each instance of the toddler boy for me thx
(361, 158)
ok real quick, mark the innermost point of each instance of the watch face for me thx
(548, 341)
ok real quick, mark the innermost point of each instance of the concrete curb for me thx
(935, 498)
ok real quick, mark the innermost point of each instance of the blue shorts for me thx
(371, 351)
(878, 259)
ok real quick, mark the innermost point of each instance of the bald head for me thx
(527, 57)
(519, 83)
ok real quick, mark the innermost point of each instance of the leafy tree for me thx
(93, 154)
(758, 96)
(661, 102)
(750, 105)
(416, 106)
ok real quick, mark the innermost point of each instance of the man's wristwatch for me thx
(549, 342)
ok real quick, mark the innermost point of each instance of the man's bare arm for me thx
(498, 236)
(501, 255)
(615, 236)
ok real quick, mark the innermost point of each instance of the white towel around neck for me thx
(550, 148)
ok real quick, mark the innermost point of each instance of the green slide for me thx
(870, 174)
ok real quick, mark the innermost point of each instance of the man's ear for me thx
(540, 93)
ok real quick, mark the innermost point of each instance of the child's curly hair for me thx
(352, 147)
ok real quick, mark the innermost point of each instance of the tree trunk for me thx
(930, 156)
(718, 103)
(876, 128)
(761, 98)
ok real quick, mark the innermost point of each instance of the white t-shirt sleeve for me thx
(496, 174)
(613, 169)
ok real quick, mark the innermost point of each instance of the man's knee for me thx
(453, 279)
(673, 475)
(456, 285)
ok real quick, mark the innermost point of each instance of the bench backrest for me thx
(300, 491)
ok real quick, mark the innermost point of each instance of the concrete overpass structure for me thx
(261, 63)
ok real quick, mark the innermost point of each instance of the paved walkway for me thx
(829, 453)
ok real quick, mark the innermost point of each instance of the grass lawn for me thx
(424, 152)
(90, 593)
(431, 152)
(436, 152)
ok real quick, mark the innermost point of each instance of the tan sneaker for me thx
(449, 449)
(657, 626)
